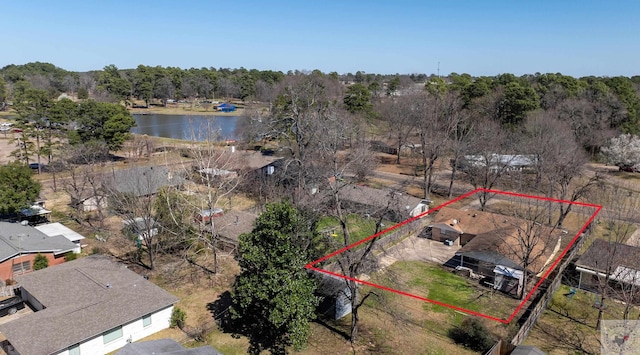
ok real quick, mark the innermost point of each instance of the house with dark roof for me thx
(493, 245)
(145, 180)
(91, 305)
(460, 226)
(395, 206)
(619, 261)
(228, 225)
(20, 243)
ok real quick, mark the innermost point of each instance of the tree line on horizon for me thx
(516, 94)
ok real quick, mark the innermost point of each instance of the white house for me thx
(54, 229)
(497, 162)
(90, 305)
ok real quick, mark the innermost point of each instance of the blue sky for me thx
(479, 37)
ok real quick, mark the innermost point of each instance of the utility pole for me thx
(438, 70)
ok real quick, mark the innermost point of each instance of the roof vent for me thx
(475, 215)
(455, 221)
(108, 285)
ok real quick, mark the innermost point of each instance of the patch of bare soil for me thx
(6, 147)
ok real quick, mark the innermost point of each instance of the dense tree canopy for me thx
(273, 297)
(102, 122)
(357, 98)
(591, 104)
(18, 189)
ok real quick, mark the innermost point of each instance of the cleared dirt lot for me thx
(6, 147)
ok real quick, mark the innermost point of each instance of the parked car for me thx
(34, 166)
(629, 168)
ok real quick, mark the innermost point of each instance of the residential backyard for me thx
(567, 326)
(435, 282)
(359, 227)
(382, 329)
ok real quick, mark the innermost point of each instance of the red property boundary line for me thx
(311, 265)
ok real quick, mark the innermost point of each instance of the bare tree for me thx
(265, 92)
(526, 239)
(86, 184)
(330, 200)
(304, 104)
(216, 172)
(488, 160)
(212, 175)
(544, 137)
(627, 289)
(437, 118)
(397, 112)
(458, 143)
(70, 83)
(593, 118)
(566, 176)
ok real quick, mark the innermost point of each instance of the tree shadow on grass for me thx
(329, 324)
(220, 311)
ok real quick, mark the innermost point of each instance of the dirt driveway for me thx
(416, 248)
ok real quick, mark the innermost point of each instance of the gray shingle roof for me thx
(16, 239)
(83, 299)
(145, 180)
(379, 198)
(164, 347)
(603, 255)
(227, 227)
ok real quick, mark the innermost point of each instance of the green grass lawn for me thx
(434, 282)
(359, 227)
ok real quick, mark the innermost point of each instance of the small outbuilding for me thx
(55, 229)
(334, 296)
(204, 216)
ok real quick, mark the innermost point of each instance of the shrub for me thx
(83, 93)
(70, 256)
(178, 317)
(472, 334)
(40, 262)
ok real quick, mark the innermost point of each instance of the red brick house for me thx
(19, 245)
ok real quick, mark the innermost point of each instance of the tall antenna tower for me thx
(438, 70)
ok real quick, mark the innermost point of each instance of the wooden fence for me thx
(540, 302)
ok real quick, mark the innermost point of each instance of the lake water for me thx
(188, 127)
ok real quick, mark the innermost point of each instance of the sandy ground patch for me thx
(415, 248)
(6, 147)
